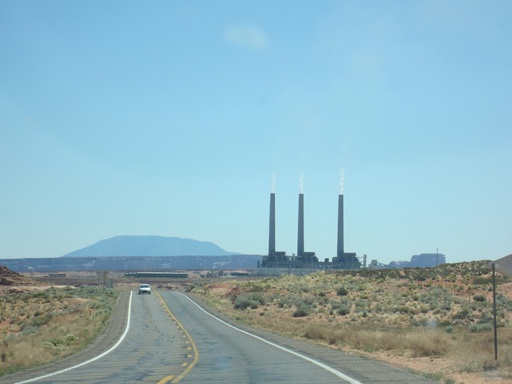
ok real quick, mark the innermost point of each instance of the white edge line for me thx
(93, 359)
(318, 363)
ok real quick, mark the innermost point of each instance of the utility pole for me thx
(494, 311)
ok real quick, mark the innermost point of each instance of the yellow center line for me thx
(189, 341)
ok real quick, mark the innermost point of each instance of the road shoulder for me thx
(108, 336)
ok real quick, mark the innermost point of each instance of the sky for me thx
(178, 118)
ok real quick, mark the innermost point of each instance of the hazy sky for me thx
(170, 118)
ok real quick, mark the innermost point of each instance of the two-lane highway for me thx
(168, 338)
(154, 347)
(230, 355)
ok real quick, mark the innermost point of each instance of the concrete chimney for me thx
(272, 226)
(341, 250)
(300, 234)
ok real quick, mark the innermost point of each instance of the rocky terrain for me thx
(13, 279)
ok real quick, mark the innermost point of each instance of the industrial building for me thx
(303, 259)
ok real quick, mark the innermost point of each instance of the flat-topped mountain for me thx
(150, 246)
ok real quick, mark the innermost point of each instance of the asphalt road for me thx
(168, 338)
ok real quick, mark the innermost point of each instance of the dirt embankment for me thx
(13, 281)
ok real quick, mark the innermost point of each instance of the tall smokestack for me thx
(340, 251)
(272, 225)
(300, 235)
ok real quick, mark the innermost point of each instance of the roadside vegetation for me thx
(438, 321)
(39, 326)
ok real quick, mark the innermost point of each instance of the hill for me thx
(149, 246)
(11, 278)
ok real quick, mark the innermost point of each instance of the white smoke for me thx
(342, 179)
(301, 184)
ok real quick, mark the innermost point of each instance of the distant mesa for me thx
(149, 246)
(421, 261)
(135, 253)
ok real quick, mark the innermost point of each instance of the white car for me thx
(145, 288)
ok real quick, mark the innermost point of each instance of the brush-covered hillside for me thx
(441, 314)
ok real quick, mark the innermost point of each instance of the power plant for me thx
(303, 259)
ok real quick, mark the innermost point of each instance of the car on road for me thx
(144, 288)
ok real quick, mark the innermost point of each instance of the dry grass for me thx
(442, 313)
(40, 326)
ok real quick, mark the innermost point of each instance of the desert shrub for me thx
(257, 288)
(427, 345)
(482, 280)
(480, 298)
(486, 317)
(421, 277)
(462, 314)
(42, 294)
(39, 321)
(327, 334)
(478, 362)
(403, 309)
(480, 327)
(316, 332)
(343, 310)
(192, 287)
(301, 311)
(342, 291)
(361, 305)
(26, 330)
(305, 288)
(372, 340)
(250, 300)
(292, 300)
(71, 339)
(503, 302)
(55, 342)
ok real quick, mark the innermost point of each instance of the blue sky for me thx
(171, 117)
